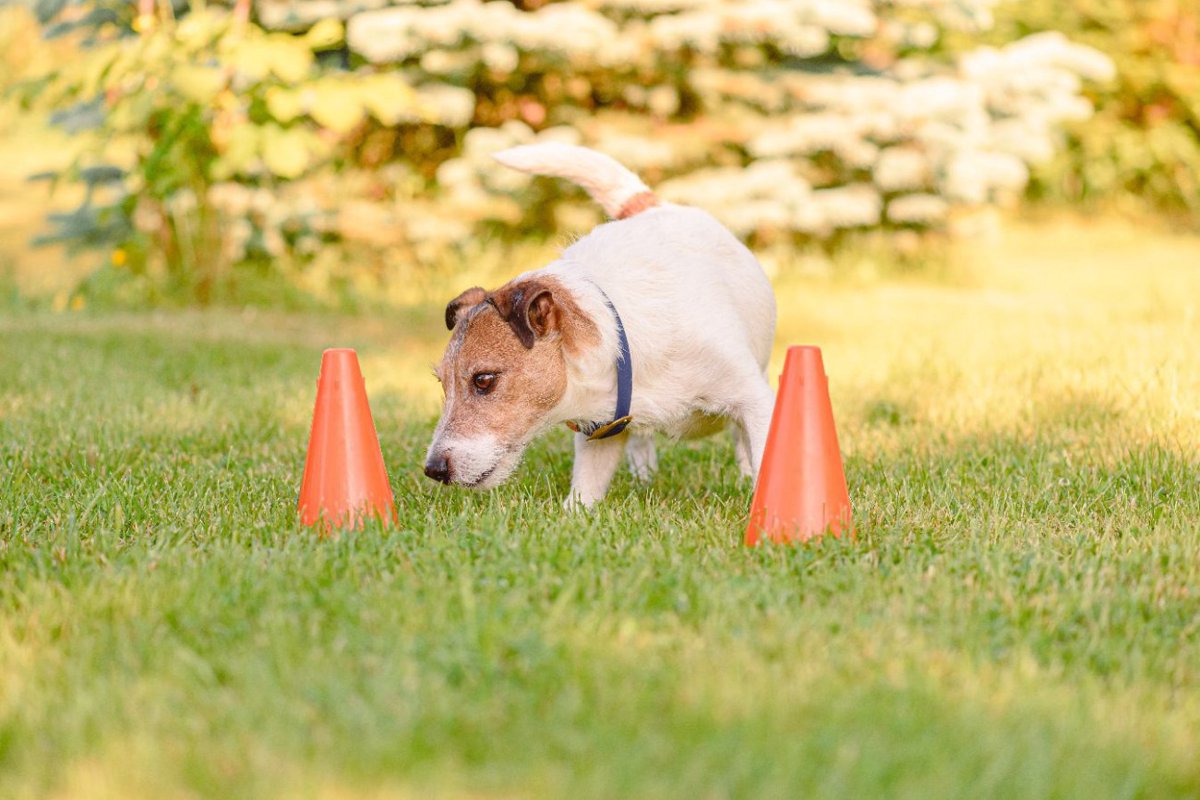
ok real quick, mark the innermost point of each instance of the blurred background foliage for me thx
(1141, 150)
(336, 150)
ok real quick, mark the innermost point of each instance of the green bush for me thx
(174, 113)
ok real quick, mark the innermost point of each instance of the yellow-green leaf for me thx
(95, 67)
(290, 60)
(327, 33)
(251, 58)
(198, 84)
(198, 29)
(286, 152)
(388, 97)
(336, 105)
(132, 113)
(284, 104)
(241, 155)
(156, 48)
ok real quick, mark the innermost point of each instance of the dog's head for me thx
(503, 373)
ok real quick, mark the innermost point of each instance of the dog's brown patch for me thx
(637, 204)
(459, 305)
(521, 333)
(541, 306)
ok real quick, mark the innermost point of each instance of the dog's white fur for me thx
(697, 309)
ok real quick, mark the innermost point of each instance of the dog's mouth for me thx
(481, 462)
(498, 472)
(479, 482)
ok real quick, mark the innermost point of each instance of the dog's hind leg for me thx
(595, 464)
(754, 417)
(643, 458)
(741, 449)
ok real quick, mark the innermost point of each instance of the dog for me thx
(657, 321)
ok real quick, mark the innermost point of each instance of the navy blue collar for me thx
(621, 417)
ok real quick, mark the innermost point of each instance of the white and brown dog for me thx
(658, 321)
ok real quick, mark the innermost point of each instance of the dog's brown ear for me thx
(528, 308)
(468, 299)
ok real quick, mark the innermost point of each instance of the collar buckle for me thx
(595, 431)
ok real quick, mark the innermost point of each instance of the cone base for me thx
(787, 529)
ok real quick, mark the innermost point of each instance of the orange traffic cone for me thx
(801, 491)
(344, 476)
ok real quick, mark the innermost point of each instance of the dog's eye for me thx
(484, 382)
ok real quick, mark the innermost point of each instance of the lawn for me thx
(1019, 616)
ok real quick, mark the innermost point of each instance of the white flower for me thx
(920, 35)
(518, 132)
(231, 199)
(917, 209)
(940, 98)
(964, 14)
(745, 218)
(844, 17)
(973, 176)
(901, 169)
(1029, 139)
(1052, 48)
(445, 62)
(803, 41)
(663, 100)
(485, 141)
(856, 205)
(637, 153)
(561, 133)
(937, 135)
(649, 7)
(453, 105)
(803, 134)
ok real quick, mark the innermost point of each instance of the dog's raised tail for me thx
(619, 191)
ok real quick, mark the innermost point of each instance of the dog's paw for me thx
(643, 457)
(577, 503)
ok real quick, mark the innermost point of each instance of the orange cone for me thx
(801, 491)
(344, 476)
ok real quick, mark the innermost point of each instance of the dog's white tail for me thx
(618, 191)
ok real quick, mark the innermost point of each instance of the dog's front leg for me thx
(595, 464)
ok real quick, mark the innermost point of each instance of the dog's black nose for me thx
(438, 468)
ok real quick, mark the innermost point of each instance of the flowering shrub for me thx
(796, 116)
(1144, 140)
(784, 118)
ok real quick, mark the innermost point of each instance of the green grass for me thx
(1019, 617)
